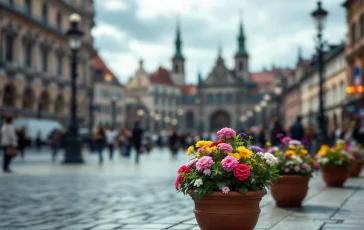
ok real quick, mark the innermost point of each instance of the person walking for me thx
(22, 141)
(8, 143)
(137, 137)
(261, 136)
(38, 140)
(173, 142)
(55, 142)
(297, 130)
(100, 139)
(277, 129)
(111, 137)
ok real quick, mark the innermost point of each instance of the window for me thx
(240, 65)
(353, 28)
(156, 100)
(45, 13)
(9, 54)
(44, 60)
(28, 54)
(219, 99)
(28, 7)
(210, 99)
(59, 64)
(334, 95)
(229, 99)
(176, 69)
(59, 21)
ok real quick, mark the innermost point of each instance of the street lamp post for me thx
(320, 15)
(278, 91)
(73, 141)
(264, 104)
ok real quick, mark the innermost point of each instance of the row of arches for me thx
(29, 101)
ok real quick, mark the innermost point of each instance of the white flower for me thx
(259, 154)
(297, 159)
(323, 160)
(290, 163)
(179, 186)
(270, 159)
(198, 183)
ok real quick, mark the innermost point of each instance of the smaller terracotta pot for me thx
(289, 190)
(335, 176)
(356, 169)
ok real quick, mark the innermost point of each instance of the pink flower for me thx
(178, 181)
(184, 169)
(351, 157)
(226, 132)
(207, 172)
(226, 147)
(204, 163)
(229, 163)
(317, 165)
(297, 168)
(201, 150)
(286, 140)
(242, 172)
(287, 170)
(225, 190)
(260, 165)
(286, 155)
(306, 166)
(192, 163)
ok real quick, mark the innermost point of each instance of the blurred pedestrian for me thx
(8, 143)
(137, 137)
(261, 136)
(123, 140)
(277, 129)
(22, 141)
(111, 137)
(55, 142)
(38, 140)
(100, 140)
(173, 142)
(297, 131)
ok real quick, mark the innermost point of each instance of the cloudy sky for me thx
(128, 30)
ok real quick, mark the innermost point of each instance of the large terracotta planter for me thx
(335, 176)
(356, 169)
(232, 211)
(289, 190)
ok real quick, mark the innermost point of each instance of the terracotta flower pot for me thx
(356, 169)
(228, 211)
(335, 176)
(290, 190)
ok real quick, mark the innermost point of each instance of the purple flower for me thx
(210, 154)
(281, 146)
(306, 144)
(243, 135)
(287, 170)
(280, 135)
(256, 149)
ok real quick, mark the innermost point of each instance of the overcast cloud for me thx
(127, 30)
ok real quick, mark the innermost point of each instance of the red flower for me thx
(184, 169)
(178, 181)
(216, 143)
(242, 171)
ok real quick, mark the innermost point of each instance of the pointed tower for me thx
(199, 78)
(299, 56)
(241, 56)
(178, 61)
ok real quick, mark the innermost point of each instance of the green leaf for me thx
(198, 194)
(220, 184)
(243, 190)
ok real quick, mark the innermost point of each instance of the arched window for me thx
(28, 98)
(44, 101)
(176, 68)
(59, 104)
(353, 34)
(9, 95)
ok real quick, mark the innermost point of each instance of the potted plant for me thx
(296, 168)
(335, 163)
(227, 179)
(358, 154)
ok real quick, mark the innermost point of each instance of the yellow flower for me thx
(268, 144)
(203, 144)
(291, 147)
(290, 152)
(304, 151)
(211, 149)
(322, 152)
(198, 154)
(244, 152)
(190, 150)
(236, 155)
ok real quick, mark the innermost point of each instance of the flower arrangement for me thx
(293, 158)
(338, 155)
(229, 164)
(357, 152)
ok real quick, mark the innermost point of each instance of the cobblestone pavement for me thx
(119, 195)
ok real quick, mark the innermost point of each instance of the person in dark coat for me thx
(56, 142)
(277, 129)
(100, 142)
(22, 141)
(261, 137)
(173, 143)
(297, 130)
(137, 137)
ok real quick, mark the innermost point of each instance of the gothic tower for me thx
(178, 61)
(242, 57)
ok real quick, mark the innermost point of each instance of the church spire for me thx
(199, 77)
(299, 57)
(241, 38)
(178, 42)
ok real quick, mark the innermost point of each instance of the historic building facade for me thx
(109, 97)
(34, 59)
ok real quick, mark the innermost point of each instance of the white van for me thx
(32, 127)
